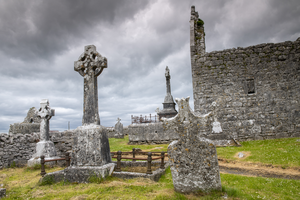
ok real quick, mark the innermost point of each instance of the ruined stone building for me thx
(256, 89)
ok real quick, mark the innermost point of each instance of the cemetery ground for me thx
(279, 155)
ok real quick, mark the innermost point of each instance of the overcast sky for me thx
(40, 40)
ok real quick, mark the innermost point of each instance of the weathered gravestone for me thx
(119, 129)
(193, 158)
(44, 146)
(90, 65)
(2, 193)
(90, 157)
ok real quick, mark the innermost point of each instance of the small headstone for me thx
(119, 129)
(2, 193)
(138, 149)
(193, 158)
(241, 155)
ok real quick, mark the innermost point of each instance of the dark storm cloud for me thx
(43, 29)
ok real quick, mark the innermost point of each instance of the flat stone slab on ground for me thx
(81, 174)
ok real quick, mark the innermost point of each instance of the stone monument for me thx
(168, 105)
(44, 146)
(90, 65)
(90, 149)
(119, 129)
(90, 157)
(193, 158)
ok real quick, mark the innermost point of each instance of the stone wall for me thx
(62, 141)
(256, 89)
(151, 133)
(16, 149)
(24, 128)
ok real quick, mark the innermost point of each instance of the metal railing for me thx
(119, 157)
(144, 119)
(43, 161)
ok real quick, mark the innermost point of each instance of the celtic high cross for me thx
(90, 65)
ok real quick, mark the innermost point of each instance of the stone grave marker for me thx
(90, 157)
(2, 193)
(119, 129)
(90, 65)
(193, 158)
(44, 146)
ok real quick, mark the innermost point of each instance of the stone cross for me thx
(45, 113)
(90, 65)
(119, 120)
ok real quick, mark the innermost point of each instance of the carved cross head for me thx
(45, 112)
(90, 60)
(118, 120)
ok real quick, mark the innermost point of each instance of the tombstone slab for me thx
(193, 158)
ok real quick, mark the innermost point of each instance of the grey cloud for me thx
(42, 29)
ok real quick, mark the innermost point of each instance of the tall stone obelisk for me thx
(168, 104)
(90, 65)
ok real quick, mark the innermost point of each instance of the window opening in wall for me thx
(250, 86)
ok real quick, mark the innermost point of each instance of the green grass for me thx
(23, 184)
(283, 152)
(121, 145)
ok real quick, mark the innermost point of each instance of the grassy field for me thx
(22, 183)
(283, 152)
